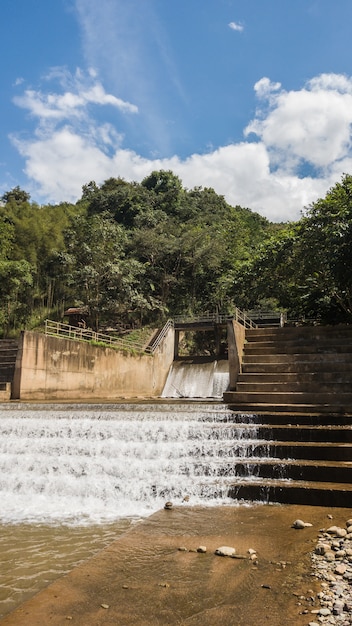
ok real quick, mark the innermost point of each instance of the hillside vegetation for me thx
(137, 253)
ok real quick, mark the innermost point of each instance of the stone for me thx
(338, 607)
(322, 548)
(225, 551)
(298, 523)
(340, 569)
(104, 606)
(324, 612)
(168, 506)
(182, 549)
(337, 531)
(202, 549)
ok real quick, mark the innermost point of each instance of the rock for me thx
(104, 606)
(337, 531)
(322, 548)
(324, 612)
(182, 549)
(168, 506)
(251, 551)
(298, 523)
(201, 549)
(338, 607)
(340, 569)
(225, 551)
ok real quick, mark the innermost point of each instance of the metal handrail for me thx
(160, 337)
(218, 318)
(59, 329)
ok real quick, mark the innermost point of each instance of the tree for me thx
(97, 272)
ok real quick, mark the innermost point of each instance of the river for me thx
(75, 476)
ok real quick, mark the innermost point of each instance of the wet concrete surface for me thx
(143, 579)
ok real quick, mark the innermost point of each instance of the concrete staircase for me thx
(296, 385)
(296, 459)
(8, 354)
(304, 369)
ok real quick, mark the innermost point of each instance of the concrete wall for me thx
(52, 368)
(236, 340)
(5, 394)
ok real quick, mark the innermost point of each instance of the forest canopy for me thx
(137, 253)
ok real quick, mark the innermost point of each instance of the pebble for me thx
(225, 551)
(202, 549)
(332, 565)
(298, 523)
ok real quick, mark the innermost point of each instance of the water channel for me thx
(75, 476)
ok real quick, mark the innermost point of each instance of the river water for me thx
(74, 477)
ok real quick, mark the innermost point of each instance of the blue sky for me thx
(250, 97)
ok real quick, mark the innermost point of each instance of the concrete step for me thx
(323, 451)
(313, 357)
(296, 492)
(247, 433)
(258, 417)
(300, 333)
(304, 368)
(307, 470)
(266, 347)
(332, 399)
(288, 408)
(341, 376)
(8, 355)
(332, 387)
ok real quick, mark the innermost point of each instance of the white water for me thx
(192, 379)
(83, 464)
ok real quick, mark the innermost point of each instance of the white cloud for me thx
(307, 130)
(86, 89)
(311, 125)
(236, 26)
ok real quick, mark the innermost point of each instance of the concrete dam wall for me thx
(52, 368)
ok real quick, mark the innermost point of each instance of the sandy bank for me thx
(144, 579)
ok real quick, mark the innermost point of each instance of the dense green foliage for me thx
(139, 252)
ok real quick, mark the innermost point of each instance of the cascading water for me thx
(197, 379)
(91, 463)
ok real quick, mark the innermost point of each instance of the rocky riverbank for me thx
(332, 565)
(235, 566)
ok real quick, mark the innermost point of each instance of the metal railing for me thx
(218, 318)
(66, 331)
(153, 345)
(58, 329)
